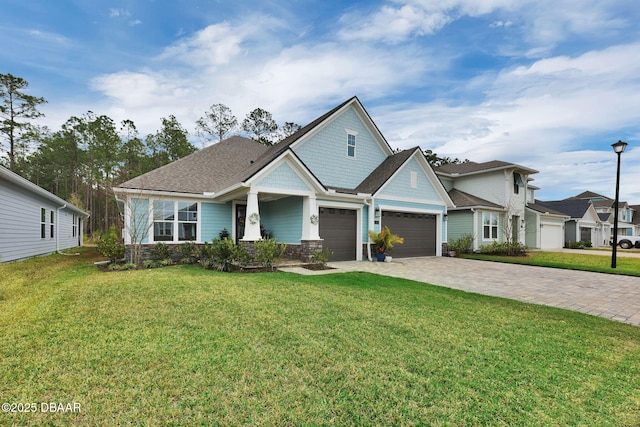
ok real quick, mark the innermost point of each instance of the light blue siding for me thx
(400, 184)
(283, 177)
(326, 152)
(20, 224)
(214, 218)
(139, 230)
(283, 219)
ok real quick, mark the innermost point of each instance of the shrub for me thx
(161, 251)
(321, 257)
(579, 245)
(224, 233)
(463, 244)
(267, 250)
(110, 247)
(504, 248)
(187, 253)
(205, 251)
(151, 263)
(223, 255)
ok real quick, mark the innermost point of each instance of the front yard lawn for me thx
(572, 261)
(187, 346)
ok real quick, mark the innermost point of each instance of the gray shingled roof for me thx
(588, 195)
(575, 208)
(208, 170)
(465, 200)
(221, 165)
(544, 209)
(383, 172)
(473, 167)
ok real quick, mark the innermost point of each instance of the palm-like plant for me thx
(385, 239)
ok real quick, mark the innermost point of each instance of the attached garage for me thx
(418, 231)
(551, 236)
(338, 231)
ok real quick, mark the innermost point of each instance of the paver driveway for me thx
(606, 295)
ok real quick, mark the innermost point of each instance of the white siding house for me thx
(33, 221)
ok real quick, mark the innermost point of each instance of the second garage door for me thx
(418, 231)
(338, 231)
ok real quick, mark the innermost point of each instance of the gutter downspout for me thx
(58, 232)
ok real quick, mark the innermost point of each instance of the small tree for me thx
(260, 126)
(218, 122)
(16, 109)
(138, 226)
(109, 245)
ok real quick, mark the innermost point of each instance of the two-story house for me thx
(605, 208)
(323, 187)
(494, 201)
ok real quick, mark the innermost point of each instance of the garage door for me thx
(551, 236)
(338, 230)
(418, 231)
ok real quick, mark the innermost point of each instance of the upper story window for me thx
(517, 183)
(351, 143)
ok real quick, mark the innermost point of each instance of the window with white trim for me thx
(51, 225)
(175, 221)
(43, 223)
(74, 226)
(489, 225)
(351, 145)
(163, 219)
(187, 221)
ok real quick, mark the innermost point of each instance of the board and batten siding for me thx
(20, 225)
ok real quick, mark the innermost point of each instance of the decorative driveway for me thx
(606, 295)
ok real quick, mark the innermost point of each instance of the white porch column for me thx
(252, 219)
(310, 219)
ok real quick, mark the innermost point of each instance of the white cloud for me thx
(116, 13)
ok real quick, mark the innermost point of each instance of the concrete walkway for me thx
(606, 295)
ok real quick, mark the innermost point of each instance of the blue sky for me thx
(549, 84)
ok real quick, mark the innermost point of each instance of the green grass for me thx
(573, 261)
(186, 346)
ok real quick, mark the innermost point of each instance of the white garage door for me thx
(551, 236)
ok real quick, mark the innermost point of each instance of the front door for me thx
(241, 214)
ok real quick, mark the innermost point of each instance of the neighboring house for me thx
(584, 223)
(324, 186)
(635, 220)
(545, 227)
(605, 208)
(491, 201)
(33, 221)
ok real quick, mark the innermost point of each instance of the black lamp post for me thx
(618, 147)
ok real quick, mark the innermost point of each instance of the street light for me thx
(618, 147)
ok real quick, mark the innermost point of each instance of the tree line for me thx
(83, 160)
